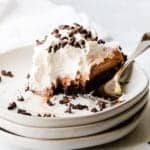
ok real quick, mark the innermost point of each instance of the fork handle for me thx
(143, 45)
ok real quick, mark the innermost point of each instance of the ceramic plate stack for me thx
(72, 132)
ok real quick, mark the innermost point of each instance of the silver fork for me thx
(113, 87)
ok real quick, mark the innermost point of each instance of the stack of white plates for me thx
(72, 132)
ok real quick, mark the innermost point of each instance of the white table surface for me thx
(21, 22)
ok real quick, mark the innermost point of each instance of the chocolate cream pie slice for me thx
(72, 60)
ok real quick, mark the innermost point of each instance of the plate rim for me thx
(123, 131)
(75, 117)
(113, 121)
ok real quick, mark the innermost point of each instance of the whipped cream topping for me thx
(64, 52)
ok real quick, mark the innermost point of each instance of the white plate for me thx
(19, 62)
(73, 143)
(70, 132)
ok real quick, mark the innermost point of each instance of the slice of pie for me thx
(72, 59)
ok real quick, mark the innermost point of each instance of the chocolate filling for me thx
(89, 86)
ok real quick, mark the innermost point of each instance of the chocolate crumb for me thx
(101, 105)
(72, 27)
(21, 98)
(66, 26)
(64, 43)
(82, 43)
(39, 115)
(94, 110)
(79, 106)
(47, 115)
(71, 34)
(72, 41)
(100, 41)
(50, 103)
(65, 100)
(23, 112)
(77, 45)
(55, 31)
(120, 47)
(56, 47)
(0, 79)
(95, 39)
(83, 31)
(38, 42)
(88, 35)
(58, 35)
(76, 24)
(50, 49)
(63, 27)
(125, 57)
(69, 109)
(75, 31)
(64, 38)
(148, 142)
(12, 106)
(7, 73)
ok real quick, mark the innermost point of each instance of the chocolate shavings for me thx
(12, 106)
(7, 73)
(23, 112)
(21, 98)
(79, 106)
(101, 105)
(65, 100)
(49, 102)
(69, 109)
(94, 110)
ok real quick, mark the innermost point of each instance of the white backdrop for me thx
(22, 21)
